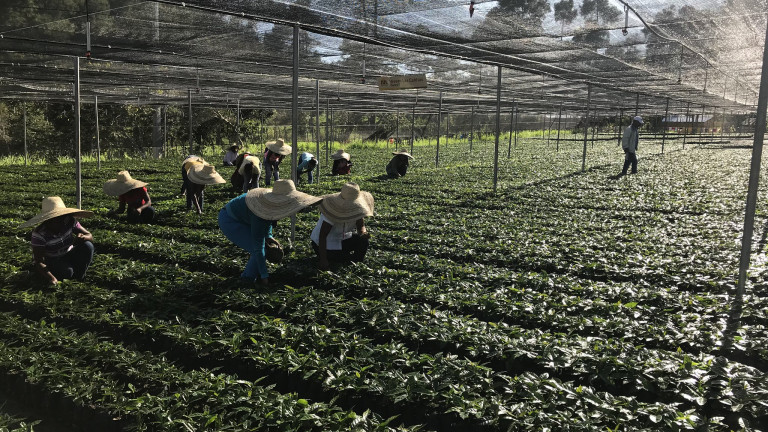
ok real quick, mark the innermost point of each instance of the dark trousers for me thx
(73, 264)
(146, 216)
(352, 249)
(629, 159)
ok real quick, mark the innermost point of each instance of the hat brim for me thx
(282, 150)
(204, 180)
(42, 217)
(270, 206)
(339, 210)
(116, 188)
(403, 154)
(337, 156)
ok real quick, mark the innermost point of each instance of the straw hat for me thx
(204, 175)
(122, 184)
(280, 147)
(340, 154)
(193, 158)
(280, 201)
(348, 205)
(404, 153)
(252, 160)
(54, 207)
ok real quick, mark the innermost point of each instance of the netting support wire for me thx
(511, 126)
(317, 128)
(471, 128)
(754, 172)
(687, 123)
(98, 140)
(26, 154)
(295, 120)
(439, 123)
(189, 103)
(664, 132)
(78, 167)
(559, 123)
(498, 130)
(586, 129)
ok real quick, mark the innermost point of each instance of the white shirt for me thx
(339, 232)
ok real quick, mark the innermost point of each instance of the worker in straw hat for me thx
(341, 163)
(398, 165)
(199, 176)
(133, 195)
(185, 166)
(273, 155)
(61, 247)
(306, 164)
(250, 171)
(231, 155)
(334, 237)
(248, 219)
(629, 143)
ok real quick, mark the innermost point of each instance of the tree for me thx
(528, 10)
(565, 13)
(601, 9)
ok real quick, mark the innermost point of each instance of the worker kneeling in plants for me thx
(199, 176)
(334, 237)
(61, 247)
(247, 221)
(133, 195)
(342, 164)
(250, 171)
(306, 164)
(398, 165)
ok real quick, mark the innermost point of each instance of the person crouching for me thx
(132, 195)
(199, 176)
(61, 247)
(333, 238)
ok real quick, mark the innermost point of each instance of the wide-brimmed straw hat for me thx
(404, 153)
(348, 205)
(204, 174)
(192, 158)
(122, 184)
(280, 147)
(280, 201)
(54, 207)
(340, 154)
(252, 160)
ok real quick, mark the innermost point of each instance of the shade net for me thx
(647, 56)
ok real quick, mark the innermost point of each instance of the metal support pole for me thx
(327, 123)
(722, 126)
(397, 125)
(471, 129)
(78, 166)
(517, 120)
(26, 154)
(559, 120)
(295, 119)
(666, 120)
(754, 173)
(317, 128)
(498, 131)
(189, 97)
(98, 140)
(701, 123)
(511, 125)
(165, 129)
(413, 120)
(685, 129)
(439, 122)
(637, 103)
(620, 123)
(586, 130)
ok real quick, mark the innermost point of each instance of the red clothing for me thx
(134, 198)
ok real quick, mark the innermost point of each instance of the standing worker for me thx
(248, 219)
(398, 166)
(629, 142)
(133, 195)
(274, 154)
(306, 164)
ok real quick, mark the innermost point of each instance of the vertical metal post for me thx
(687, 121)
(664, 132)
(471, 129)
(98, 140)
(701, 123)
(543, 124)
(165, 129)
(397, 126)
(447, 128)
(295, 119)
(620, 123)
(439, 122)
(517, 121)
(637, 104)
(722, 126)
(559, 123)
(78, 166)
(189, 97)
(511, 125)
(413, 120)
(26, 154)
(754, 172)
(317, 128)
(586, 130)
(327, 123)
(498, 131)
